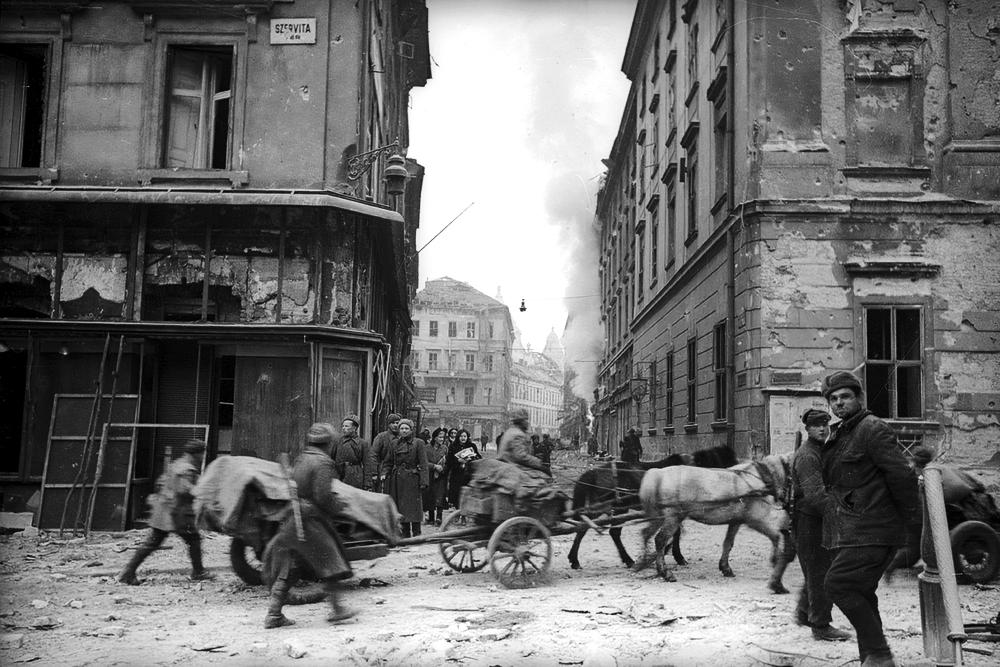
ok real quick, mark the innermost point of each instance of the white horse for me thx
(750, 493)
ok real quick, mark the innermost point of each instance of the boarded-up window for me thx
(342, 385)
(198, 108)
(272, 410)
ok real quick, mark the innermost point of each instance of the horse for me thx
(750, 493)
(614, 486)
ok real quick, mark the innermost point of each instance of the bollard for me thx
(940, 613)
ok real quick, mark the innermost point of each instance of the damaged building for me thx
(797, 188)
(202, 220)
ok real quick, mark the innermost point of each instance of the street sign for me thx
(293, 31)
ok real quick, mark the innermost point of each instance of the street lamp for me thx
(395, 171)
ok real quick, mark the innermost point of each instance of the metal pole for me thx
(940, 611)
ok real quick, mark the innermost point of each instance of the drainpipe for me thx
(731, 232)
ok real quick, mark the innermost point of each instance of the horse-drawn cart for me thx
(510, 534)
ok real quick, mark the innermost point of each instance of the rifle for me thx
(293, 493)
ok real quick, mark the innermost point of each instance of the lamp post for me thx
(395, 173)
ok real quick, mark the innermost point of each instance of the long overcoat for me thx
(322, 548)
(171, 507)
(434, 495)
(458, 472)
(404, 465)
(352, 458)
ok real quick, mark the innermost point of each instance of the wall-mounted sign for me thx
(293, 31)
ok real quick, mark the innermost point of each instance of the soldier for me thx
(814, 607)
(352, 456)
(172, 511)
(383, 443)
(319, 544)
(515, 446)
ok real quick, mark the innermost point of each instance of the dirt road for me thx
(60, 606)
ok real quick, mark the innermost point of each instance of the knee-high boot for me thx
(153, 540)
(339, 612)
(279, 591)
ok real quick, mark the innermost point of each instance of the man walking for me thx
(172, 509)
(352, 456)
(383, 443)
(813, 608)
(308, 536)
(873, 500)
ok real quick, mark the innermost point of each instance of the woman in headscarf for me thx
(459, 471)
(404, 467)
(434, 495)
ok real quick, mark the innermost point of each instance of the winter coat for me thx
(322, 547)
(405, 468)
(352, 459)
(172, 506)
(434, 495)
(459, 473)
(807, 479)
(380, 445)
(515, 447)
(873, 491)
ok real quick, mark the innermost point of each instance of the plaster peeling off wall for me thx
(968, 385)
(25, 268)
(970, 273)
(898, 287)
(797, 273)
(97, 281)
(174, 270)
(298, 299)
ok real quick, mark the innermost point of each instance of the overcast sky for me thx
(524, 102)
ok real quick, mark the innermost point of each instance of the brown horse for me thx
(613, 488)
(750, 493)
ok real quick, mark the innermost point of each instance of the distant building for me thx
(181, 217)
(461, 357)
(795, 191)
(537, 386)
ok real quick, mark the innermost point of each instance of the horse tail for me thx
(583, 488)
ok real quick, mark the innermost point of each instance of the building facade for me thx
(537, 386)
(185, 232)
(461, 358)
(795, 191)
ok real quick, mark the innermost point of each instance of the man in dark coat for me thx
(404, 471)
(173, 512)
(383, 443)
(872, 502)
(319, 544)
(352, 456)
(814, 607)
(631, 447)
(515, 446)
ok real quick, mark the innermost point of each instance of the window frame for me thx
(432, 328)
(470, 329)
(470, 362)
(720, 372)
(46, 171)
(153, 133)
(668, 389)
(928, 389)
(692, 381)
(452, 329)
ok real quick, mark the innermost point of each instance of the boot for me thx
(127, 576)
(879, 660)
(415, 528)
(828, 633)
(339, 612)
(274, 617)
(198, 571)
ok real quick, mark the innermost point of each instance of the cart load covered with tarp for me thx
(236, 493)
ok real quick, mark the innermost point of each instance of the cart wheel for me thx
(462, 554)
(245, 561)
(977, 551)
(520, 552)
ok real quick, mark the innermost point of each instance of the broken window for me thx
(893, 366)
(198, 108)
(22, 104)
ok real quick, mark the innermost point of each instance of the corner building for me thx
(797, 188)
(178, 201)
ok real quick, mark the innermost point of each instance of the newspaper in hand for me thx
(465, 455)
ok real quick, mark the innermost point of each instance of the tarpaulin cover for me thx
(523, 483)
(233, 485)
